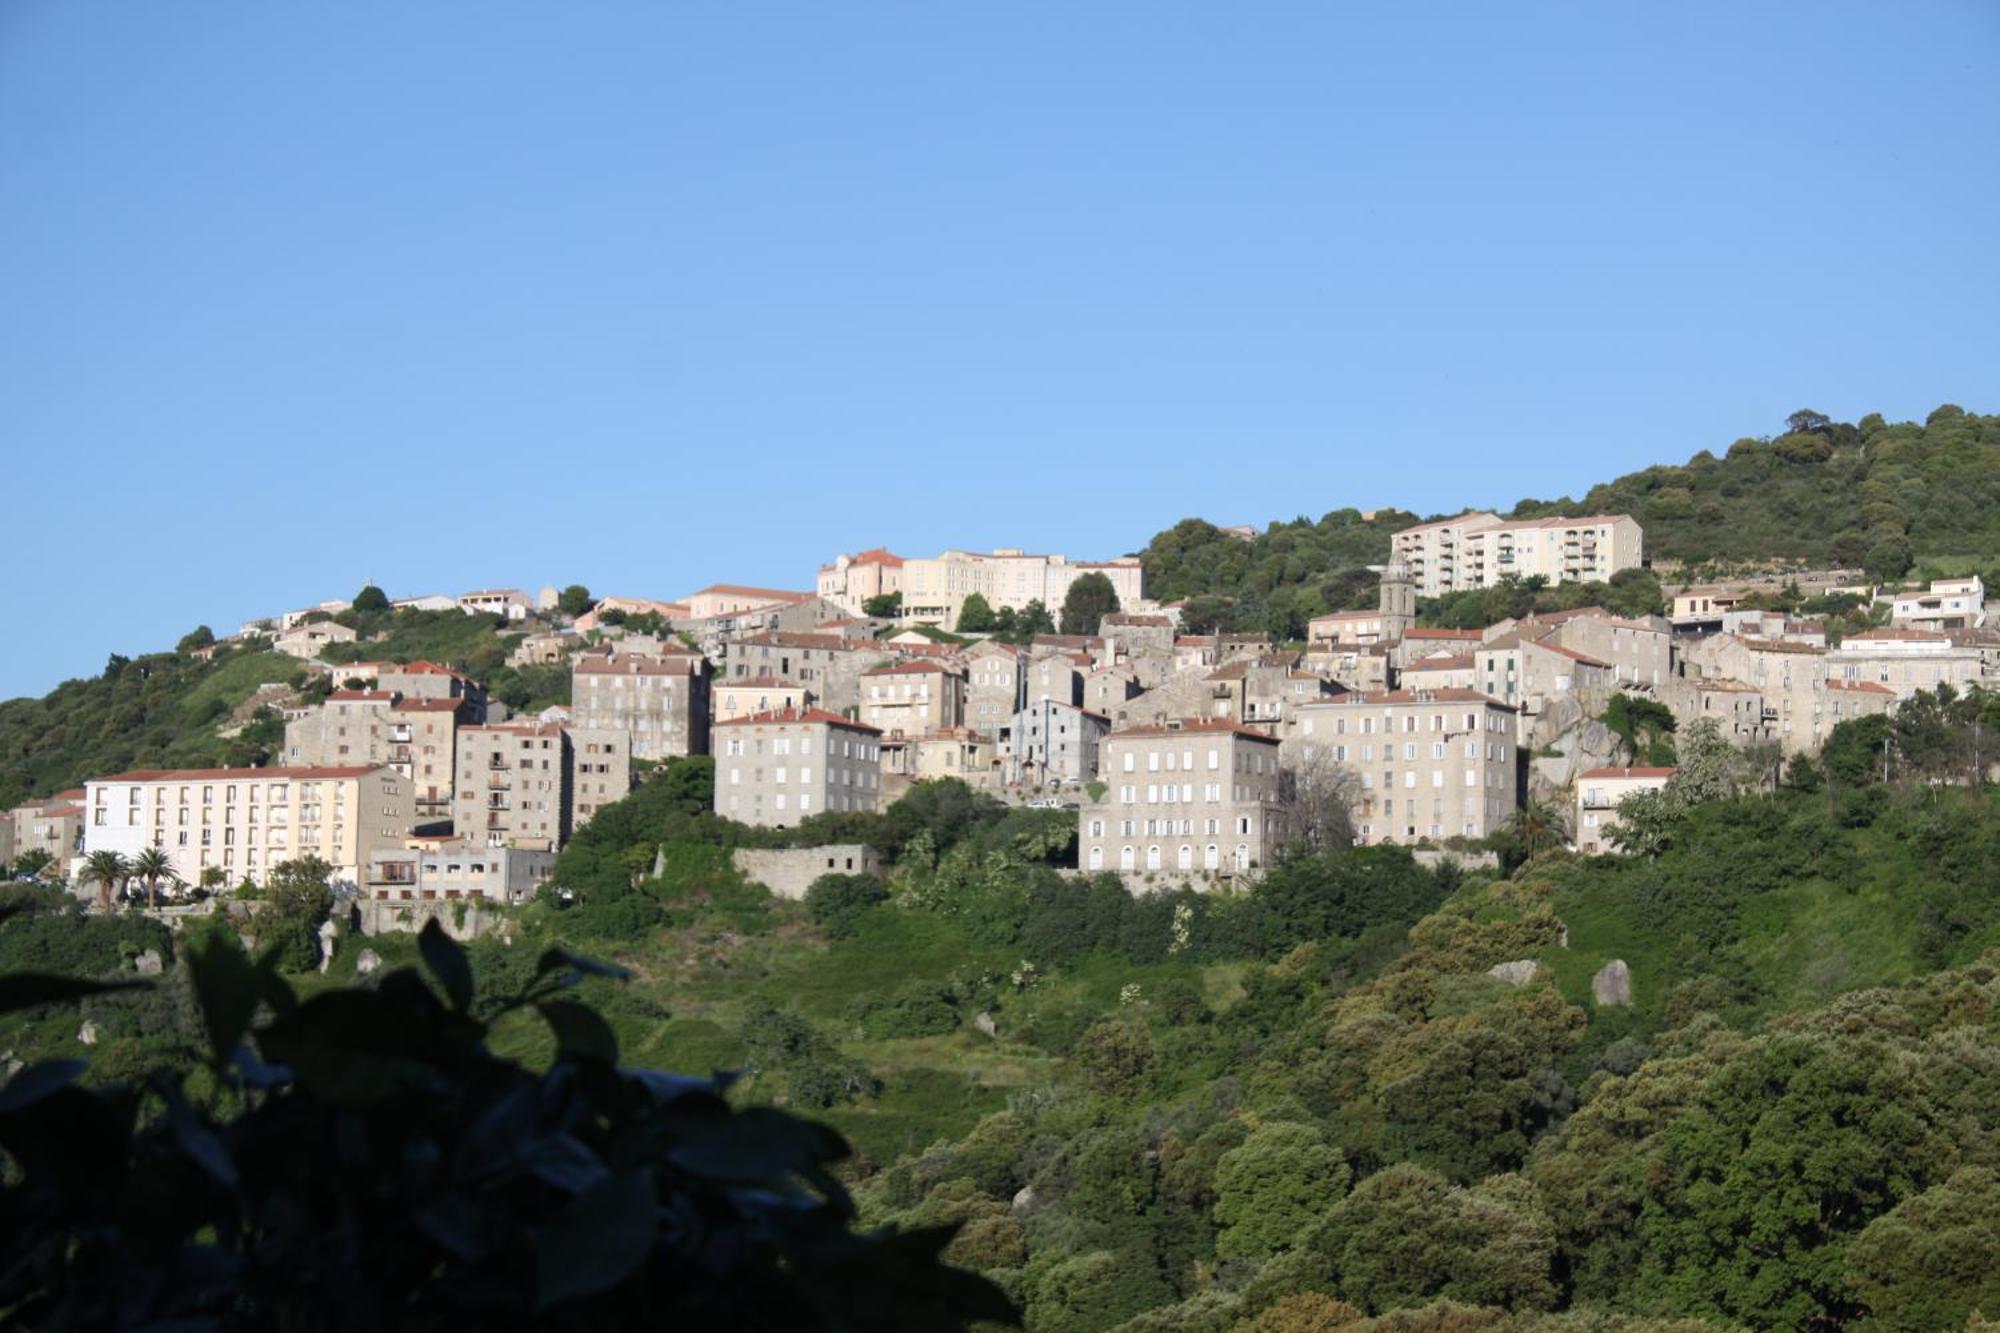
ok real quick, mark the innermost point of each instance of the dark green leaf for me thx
(448, 963)
(226, 988)
(580, 1033)
(597, 1240)
(557, 958)
(37, 1081)
(759, 1146)
(25, 990)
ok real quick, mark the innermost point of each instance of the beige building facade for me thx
(600, 771)
(912, 698)
(1186, 801)
(244, 821)
(1428, 764)
(1599, 792)
(1479, 549)
(661, 701)
(513, 786)
(935, 589)
(775, 769)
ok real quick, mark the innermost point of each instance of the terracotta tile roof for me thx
(757, 683)
(794, 716)
(1207, 726)
(1584, 658)
(878, 555)
(799, 639)
(744, 590)
(1432, 633)
(424, 669)
(1630, 773)
(1068, 641)
(240, 774)
(361, 696)
(1137, 620)
(426, 705)
(1859, 686)
(1439, 664)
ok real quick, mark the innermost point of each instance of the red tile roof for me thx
(426, 705)
(1901, 636)
(918, 668)
(671, 664)
(1439, 664)
(758, 683)
(743, 590)
(1862, 686)
(1432, 633)
(361, 696)
(794, 716)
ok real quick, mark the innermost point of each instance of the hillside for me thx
(180, 709)
(1318, 1103)
(1875, 495)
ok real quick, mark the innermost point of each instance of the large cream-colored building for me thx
(1428, 764)
(935, 589)
(726, 599)
(1183, 799)
(781, 767)
(247, 820)
(1905, 660)
(1478, 550)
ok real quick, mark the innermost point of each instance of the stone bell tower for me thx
(1398, 599)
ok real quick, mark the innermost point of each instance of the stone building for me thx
(513, 787)
(1183, 800)
(1428, 764)
(1599, 792)
(1053, 744)
(662, 702)
(600, 772)
(781, 767)
(912, 698)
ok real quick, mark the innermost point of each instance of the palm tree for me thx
(108, 871)
(1539, 826)
(153, 865)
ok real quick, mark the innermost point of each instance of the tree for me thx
(108, 871)
(1091, 598)
(152, 865)
(976, 615)
(574, 600)
(1538, 827)
(201, 636)
(1316, 800)
(1934, 1258)
(883, 606)
(1404, 1237)
(371, 600)
(298, 897)
(1272, 1189)
(33, 862)
(1890, 558)
(1805, 421)
(837, 902)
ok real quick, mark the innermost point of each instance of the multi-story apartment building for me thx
(1428, 764)
(600, 771)
(957, 752)
(1478, 550)
(418, 737)
(663, 701)
(1184, 799)
(1790, 678)
(1639, 652)
(52, 826)
(781, 767)
(457, 869)
(935, 590)
(746, 695)
(1054, 744)
(513, 787)
(911, 698)
(1905, 660)
(1599, 792)
(244, 821)
(1948, 604)
(852, 580)
(996, 686)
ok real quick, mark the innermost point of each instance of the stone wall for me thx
(462, 919)
(789, 872)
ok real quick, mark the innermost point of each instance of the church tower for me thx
(1398, 601)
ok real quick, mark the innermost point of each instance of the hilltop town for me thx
(1188, 757)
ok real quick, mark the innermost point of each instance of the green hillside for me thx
(1874, 495)
(169, 709)
(1315, 1105)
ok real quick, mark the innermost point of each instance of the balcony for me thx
(499, 782)
(499, 803)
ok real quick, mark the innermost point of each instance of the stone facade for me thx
(789, 872)
(513, 786)
(778, 768)
(662, 702)
(1429, 764)
(1183, 801)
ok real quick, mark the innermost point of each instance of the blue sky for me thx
(652, 295)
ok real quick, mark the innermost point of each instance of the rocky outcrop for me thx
(1613, 983)
(1517, 973)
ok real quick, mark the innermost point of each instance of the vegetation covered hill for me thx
(1323, 1104)
(180, 708)
(1821, 493)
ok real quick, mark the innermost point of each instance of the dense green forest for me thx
(1322, 1104)
(1886, 498)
